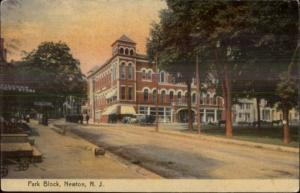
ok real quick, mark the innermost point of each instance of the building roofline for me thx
(124, 39)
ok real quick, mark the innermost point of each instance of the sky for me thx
(89, 27)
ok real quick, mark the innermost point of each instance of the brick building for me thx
(126, 84)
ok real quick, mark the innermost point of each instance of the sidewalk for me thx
(213, 138)
(69, 156)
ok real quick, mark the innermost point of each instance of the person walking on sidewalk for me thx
(87, 119)
(81, 118)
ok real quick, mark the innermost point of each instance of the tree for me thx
(271, 31)
(173, 52)
(247, 43)
(53, 72)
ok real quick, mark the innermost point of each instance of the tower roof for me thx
(124, 38)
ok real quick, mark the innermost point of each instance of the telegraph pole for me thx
(156, 109)
(198, 94)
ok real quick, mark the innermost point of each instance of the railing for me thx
(183, 102)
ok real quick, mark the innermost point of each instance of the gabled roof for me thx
(124, 38)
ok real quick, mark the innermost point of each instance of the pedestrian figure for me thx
(81, 118)
(87, 119)
(84, 116)
(27, 118)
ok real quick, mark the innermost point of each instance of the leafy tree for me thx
(171, 42)
(53, 72)
(272, 37)
(247, 43)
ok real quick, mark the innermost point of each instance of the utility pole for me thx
(156, 109)
(198, 94)
(93, 93)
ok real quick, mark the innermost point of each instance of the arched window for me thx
(194, 98)
(122, 71)
(146, 93)
(144, 74)
(148, 75)
(186, 95)
(154, 96)
(126, 51)
(131, 52)
(171, 95)
(162, 77)
(130, 72)
(179, 95)
(162, 96)
(121, 51)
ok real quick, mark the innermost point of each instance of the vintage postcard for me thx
(149, 95)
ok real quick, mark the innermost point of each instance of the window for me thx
(171, 95)
(130, 72)
(131, 52)
(122, 71)
(247, 116)
(123, 90)
(162, 77)
(144, 74)
(121, 51)
(162, 96)
(242, 106)
(130, 93)
(247, 106)
(179, 95)
(194, 98)
(126, 51)
(154, 96)
(148, 75)
(143, 110)
(146, 93)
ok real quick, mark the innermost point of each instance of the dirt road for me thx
(182, 157)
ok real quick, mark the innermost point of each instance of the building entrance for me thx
(182, 116)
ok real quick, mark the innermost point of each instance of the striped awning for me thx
(111, 94)
(126, 109)
(111, 110)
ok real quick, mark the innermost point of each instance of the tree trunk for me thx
(189, 105)
(227, 98)
(286, 133)
(258, 111)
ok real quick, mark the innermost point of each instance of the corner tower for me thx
(124, 46)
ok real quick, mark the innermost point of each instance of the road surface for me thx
(173, 156)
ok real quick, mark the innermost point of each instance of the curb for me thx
(228, 141)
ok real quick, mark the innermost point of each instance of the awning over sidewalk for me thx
(111, 110)
(127, 110)
(111, 94)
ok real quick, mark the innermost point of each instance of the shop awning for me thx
(111, 94)
(111, 110)
(127, 110)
